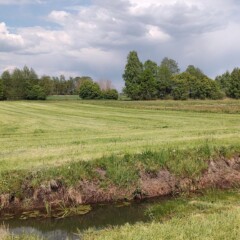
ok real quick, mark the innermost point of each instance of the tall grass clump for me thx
(119, 170)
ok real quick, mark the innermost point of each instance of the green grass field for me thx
(34, 134)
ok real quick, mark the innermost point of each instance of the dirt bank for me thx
(221, 173)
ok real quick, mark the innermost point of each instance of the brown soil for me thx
(222, 173)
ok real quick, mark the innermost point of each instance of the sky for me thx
(94, 37)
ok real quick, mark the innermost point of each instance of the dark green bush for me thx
(36, 93)
(89, 90)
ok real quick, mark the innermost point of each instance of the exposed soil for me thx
(222, 173)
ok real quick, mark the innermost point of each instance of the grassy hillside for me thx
(53, 132)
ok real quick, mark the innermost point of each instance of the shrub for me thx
(110, 94)
(89, 90)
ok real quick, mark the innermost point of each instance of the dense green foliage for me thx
(110, 94)
(89, 90)
(167, 69)
(224, 82)
(150, 81)
(188, 85)
(230, 83)
(36, 92)
(234, 90)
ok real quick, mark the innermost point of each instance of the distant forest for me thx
(143, 81)
(24, 84)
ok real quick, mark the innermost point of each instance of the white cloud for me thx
(43, 41)
(59, 16)
(157, 35)
(9, 41)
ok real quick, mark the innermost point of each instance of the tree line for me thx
(24, 84)
(145, 81)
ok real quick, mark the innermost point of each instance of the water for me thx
(100, 217)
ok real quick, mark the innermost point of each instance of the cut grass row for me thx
(224, 106)
(217, 106)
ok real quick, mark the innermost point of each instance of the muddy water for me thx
(99, 218)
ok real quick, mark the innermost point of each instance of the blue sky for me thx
(80, 37)
(33, 13)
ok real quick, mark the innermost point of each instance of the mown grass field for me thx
(35, 134)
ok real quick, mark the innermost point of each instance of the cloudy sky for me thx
(93, 37)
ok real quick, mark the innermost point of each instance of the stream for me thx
(101, 216)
